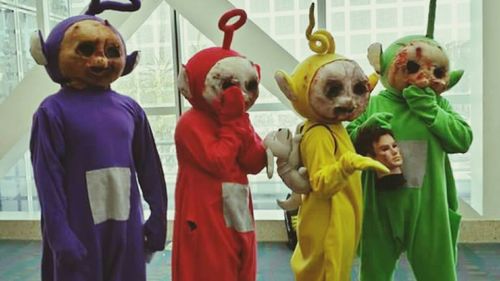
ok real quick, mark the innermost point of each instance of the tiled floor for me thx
(19, 261)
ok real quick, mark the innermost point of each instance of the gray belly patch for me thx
(236, 198)
(109, 194)
(414, 162)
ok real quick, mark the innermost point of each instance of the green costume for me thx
(422, 217)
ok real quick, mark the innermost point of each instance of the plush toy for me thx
(326, 89)
(285, 147)
(422, 218)
(217, 147)
(89, 147)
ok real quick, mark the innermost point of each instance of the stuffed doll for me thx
(326, 89)
(421, 219)
(217, 147)
(91, 149)
(285, 147)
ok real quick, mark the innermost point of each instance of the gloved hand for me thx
(350, 162)
(422, 102)
(71, 253)
(231, 105)
(379, 119)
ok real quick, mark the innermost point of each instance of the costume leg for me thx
(380, 248)
(432, 253)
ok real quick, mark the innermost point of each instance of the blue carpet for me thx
(20, 261)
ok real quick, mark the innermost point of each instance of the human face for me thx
(339, 91)
(387, 152)
(92, 55)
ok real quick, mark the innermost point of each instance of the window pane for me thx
(30, 3)
(59, 8)
(13, 189)
(8, 52)
(163, 129)
(452, 30)
(283, 20)
(151, 83)
(77, 6)
(28, 26)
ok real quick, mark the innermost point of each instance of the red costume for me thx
(214, 236)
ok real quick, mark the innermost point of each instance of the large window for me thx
(355, 25)
(17, 23)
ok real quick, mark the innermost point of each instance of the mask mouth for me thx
(98, 70)
(341, 110)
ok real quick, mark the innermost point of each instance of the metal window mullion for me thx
(322, 14)
(28, 176)
(19, 53)
(42, 16)
(177, 59)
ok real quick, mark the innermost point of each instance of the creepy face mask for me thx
(414, 60)
(213, 70)
(91, 54)
(326, 87)
(85, 51)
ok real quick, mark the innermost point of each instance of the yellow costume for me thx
(329, 219)
(329, 223)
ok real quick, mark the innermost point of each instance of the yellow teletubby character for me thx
(326, 89)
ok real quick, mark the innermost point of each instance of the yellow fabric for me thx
(329, 219)
(302, 77)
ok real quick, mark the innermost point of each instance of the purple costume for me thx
(89, 150)
(87, 147)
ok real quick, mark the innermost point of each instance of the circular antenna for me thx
(230, 28)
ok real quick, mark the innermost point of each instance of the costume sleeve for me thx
(252, 156)
(47, 149)
(454, 133)
(152, 183)
(214, 151)
(354, 126)
(325, 172)
(451, 129)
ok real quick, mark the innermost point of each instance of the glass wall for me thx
(17, 23)
(355, 24)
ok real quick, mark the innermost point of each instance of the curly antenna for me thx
(97, 7)
(321, 41)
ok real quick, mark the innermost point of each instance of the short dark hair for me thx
(367, 136)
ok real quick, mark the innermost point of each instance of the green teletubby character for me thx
(420, 218)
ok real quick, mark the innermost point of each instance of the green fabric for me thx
(421, 220)
(380, 119)
(390, 53)
(431, 18)
(422, 103)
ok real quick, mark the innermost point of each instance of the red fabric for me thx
(197, 69)
(209, 154)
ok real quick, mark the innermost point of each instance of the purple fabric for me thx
(78, 131)
(98, 6)
(52, 46)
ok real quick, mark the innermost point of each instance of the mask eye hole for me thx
(113, 52)
(412, 67)
(227, 82)
(252, 85)
(360, 88)
(86, 49)
(333, 89)
(439, 72)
